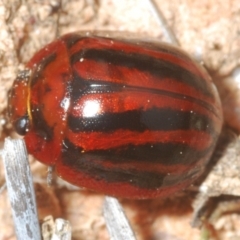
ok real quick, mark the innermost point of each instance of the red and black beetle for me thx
(127, 118)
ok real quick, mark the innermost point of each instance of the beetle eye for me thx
(21, 125)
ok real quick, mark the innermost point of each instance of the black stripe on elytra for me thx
(163, 47)
(71, 39)
(157, 67)
(88, 164)
(79, 87)
(40, 125)
(169, 153)
(162, 119)
(40, 67)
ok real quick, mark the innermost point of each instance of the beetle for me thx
(125, 117)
